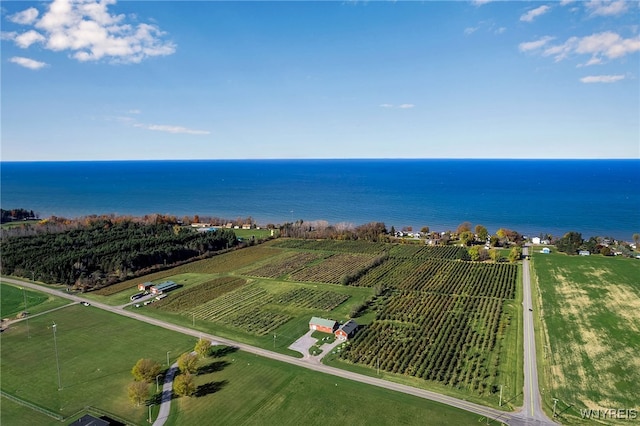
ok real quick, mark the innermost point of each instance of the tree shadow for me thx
(209, 388)
(212, 367)
(221, 351)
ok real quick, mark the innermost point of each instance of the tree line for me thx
(102, 251)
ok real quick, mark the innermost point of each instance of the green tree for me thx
(424, 229)
(494, 254)
(146, 370)
(463, 227)
(482, 233)
(570, 243)
(478, 253)
(466, 237)
(188, 362)
(184, 385)
(203, 347)
(138, 392)
(515, 254)
(636, 240)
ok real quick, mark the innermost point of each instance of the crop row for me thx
(283, 265)
(414, 251)
(358, 246)
(258, 321)
(442, 338)
(312, 299)
(195, 296)
(332, 269)
(248, 296)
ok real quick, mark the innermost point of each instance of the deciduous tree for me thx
(138, 392)
(184, 385)
(203, 347)
(188, 362)
(482, 233)
(146, 370)
(515, 254)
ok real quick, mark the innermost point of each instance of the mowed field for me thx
(433, 320)
(97, 349)
(13, 299)
(591, 332)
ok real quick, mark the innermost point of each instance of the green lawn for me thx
(590, 317)
(12, 301)
(249, 390)
(96, 351)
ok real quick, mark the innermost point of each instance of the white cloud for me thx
(606, 8)
(27, 63)
(401, 106)
(566, 2)
(470, 30)
(25, 17)
(602, 78)
(500, 30)
(8, 35)
(90, 33)
(480, 2)
(171, 129)
(601, 45)
(534, 13)
(25, 40)
(134, 111)
(533, 45)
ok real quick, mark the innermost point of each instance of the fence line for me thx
(32, 406)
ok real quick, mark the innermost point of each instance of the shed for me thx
(584, 253)
(162, 287)
(545, 250)
(347, 330)
(89, 420)
(323, 325)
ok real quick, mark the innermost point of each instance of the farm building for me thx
(162, 287)
(347, 330)
(545, 250)
(535, 240)
(144, 286)
(323, 325)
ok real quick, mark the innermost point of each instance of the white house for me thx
(535, 240)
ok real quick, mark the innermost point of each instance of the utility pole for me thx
(157, 381)
(26, 313)
(555, 401)
(500, 395)
(168, 352)
(55, 345)
(150, 405)
(274, 340)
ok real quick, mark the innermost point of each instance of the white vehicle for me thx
(86, 303)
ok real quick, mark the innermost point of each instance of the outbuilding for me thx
(323, 325)
(163, 287)
(347, 330)
(144, 286)
(545, 250)
(584, 253)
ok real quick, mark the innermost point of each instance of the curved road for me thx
(522, 417)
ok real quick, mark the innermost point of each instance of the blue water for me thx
(595, 197)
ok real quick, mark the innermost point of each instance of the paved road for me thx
(514, 418)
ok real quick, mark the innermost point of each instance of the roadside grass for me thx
(590, 314)
(246, 389)
(12, 299)
(96, 351)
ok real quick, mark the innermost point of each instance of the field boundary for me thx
(32, 406)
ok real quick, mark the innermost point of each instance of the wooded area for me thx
(102, 251)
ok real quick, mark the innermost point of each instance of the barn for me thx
(323, 325)
(346, 330)
(162, 287)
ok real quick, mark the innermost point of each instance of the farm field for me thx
(12, 301)
(250, 390)
(430, 316)
(590, 317)
(96, 351)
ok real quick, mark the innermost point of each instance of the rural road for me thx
(512, 418)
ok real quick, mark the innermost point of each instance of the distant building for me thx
(545, 250)
(144, 286)
(246, 226)
(584, 253)
(89, 420)
(347, 330)
(163, 287)
(323, 325)
(535, 240)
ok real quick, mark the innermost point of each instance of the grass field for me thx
(96, 351)
(248, 390)
(12, 301)
(590, 315)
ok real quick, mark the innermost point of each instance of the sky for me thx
(128, 80)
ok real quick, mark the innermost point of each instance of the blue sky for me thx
(108, 80)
